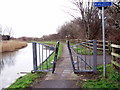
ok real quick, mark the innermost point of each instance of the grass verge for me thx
(49, 42)
(52, 43)
(27, 80)
(85, 50)
(112, 79)
(45, 64)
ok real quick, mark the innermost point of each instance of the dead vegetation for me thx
(12, 45)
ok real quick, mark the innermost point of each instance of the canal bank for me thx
(13, 63)
(11, 45)
(25, 80)
(63, 76)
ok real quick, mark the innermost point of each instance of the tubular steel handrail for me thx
(86, 62)
(55, 57)
(44, 51)
(81, 58)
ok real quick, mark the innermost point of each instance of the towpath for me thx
(64, 76)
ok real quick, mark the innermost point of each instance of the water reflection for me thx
(7, 59)
(12, 63)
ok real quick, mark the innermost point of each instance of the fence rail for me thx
(99, 44)
(43, 57)
(115, 55)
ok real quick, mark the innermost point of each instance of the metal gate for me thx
(84, 56)
(44, 57)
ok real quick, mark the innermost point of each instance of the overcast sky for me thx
(33, 18)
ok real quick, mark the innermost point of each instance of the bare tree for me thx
(71, 30)
(8, 31)
(89, 15)
(113, 21)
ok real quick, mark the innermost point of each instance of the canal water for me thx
(13, 63)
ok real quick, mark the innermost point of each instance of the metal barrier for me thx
(85, 59)
(43, 57)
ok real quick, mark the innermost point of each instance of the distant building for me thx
(5, 37)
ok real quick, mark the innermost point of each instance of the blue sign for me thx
(102, 4)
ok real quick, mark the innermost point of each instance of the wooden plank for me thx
(97, 48)
(115, 54)
(102, 49)
(115, 46)
(115, 63)
(98, 44)
(101, 41)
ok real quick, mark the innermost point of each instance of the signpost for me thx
(103, 4)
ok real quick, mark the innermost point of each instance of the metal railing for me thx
(86, 58)
(43, 57)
